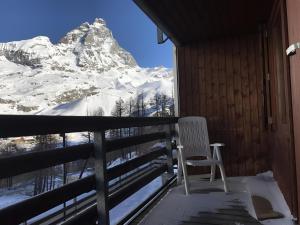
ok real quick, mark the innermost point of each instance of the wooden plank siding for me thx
(221, 80)
(293, 24)
(280, 135)
(225, 80)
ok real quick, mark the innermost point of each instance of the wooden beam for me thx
(131, 177)
(120, 195)
(29, 208)
(31, 161)
(30, 125)
(148, 202)
(134, 163)
(101, 178)
(85, 217)
(88, 216)
(112, 145)
(71, 209)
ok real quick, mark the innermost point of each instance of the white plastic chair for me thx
(194, 141)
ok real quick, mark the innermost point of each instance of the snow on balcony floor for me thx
(207, 203)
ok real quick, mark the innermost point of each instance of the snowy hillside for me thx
(86, 70)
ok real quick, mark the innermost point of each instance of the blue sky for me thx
(23, 19)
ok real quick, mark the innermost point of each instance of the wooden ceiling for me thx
(187, 21)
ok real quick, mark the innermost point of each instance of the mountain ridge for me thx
(86, 69)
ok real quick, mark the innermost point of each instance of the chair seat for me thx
(205, 162)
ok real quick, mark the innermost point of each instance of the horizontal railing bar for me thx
(30, 125)
(118, 184)
(130, 165)
(89, 215)
(77, 209)
(148, 202)
(31, 161)
(91, 199)
(29, 208)
(85, 217)
(112, 145)
(74, 212)
(120, 195)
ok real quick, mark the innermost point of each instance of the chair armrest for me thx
(216, 150)
(217, 145)
(179, 147)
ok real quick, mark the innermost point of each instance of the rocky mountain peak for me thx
(91, 47)
(85, 31)
(99, 22)
(95, 47)
(37, 74)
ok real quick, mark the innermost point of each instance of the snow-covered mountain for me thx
(86, 70)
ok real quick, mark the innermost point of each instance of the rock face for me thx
(91, 45)
(37, 75)
(30, 52)
(95, 47)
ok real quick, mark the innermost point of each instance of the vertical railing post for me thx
(101, 178)
(169, 150)
(64, 171)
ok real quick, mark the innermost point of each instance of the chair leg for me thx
(222, 170)
(185, 175)
(186, 181)
(212, 173)
(213, 168)
(223, 177)
(179, 170)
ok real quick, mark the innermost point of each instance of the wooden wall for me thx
(293, 20)
(257, 116)
(281, 140)
(223, 81)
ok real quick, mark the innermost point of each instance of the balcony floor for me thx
(209, 205)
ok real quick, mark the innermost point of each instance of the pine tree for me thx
(45, 179)
(143, 107)
(172, 106)
(98, 112)
(119, 109)
(129, 110)
(163, 105)
(128, 105)
(157, 103)
(137, 108)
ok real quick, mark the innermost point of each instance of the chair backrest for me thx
(193, 136)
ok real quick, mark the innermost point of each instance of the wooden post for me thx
(169, 151)
(101, 181)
